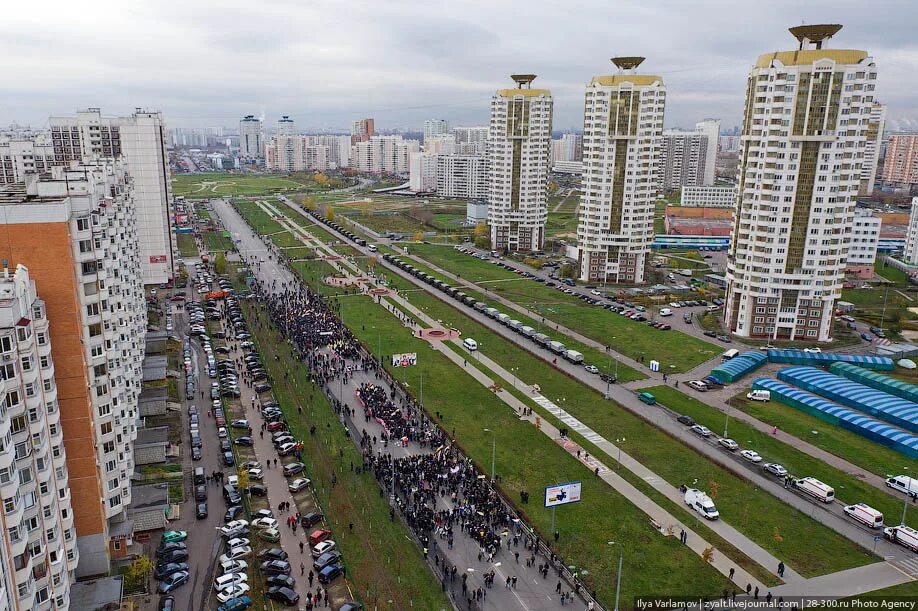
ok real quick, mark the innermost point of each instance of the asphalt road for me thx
(532, 593)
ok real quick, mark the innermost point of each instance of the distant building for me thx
(901, 164)
(728, 144)
(422, 172)
(362, 130)
(285, 127)
(251, 137)
(567, 167)
(434, 128)
(688, 158)
(476, 211)
(443, 144)
(296, 153)
(383, 155)
(569, 147)
(911, 237)
(519, 141)
(708, 197)
(19, 157)
(463, 176)
(471, 140)
(875, 127)
(862, 248)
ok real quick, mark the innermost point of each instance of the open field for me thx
(889, 272)
(217, 184)
(676, 351)
(380, 558)
(847, 488)
(186, 245)
(756, 513)
(561, 224)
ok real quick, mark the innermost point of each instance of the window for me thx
(95, 330)
(106, 428)
(27, 363)
(6, 343)
(82, 223)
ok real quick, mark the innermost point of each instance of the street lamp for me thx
(493, 450)
(513, 371)
(618, 578)
(618, 444)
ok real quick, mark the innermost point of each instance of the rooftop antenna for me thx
(816, 33)
(523, 79)
(627, 63)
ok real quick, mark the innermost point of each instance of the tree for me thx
(777, 535)
(220, 263)
(320, 178)
(135, 577)
(371, 262)
(419, 236)
(567, 271)
(481, 230)
(713, 489)
(243, 479)
(482, 242)
(329, 213)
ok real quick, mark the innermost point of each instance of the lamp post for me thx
(618, 577)
(513, 371)
(493, 451)
(618, 444)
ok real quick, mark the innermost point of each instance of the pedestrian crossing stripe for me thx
(909, 565)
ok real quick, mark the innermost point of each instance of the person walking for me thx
(781, 569)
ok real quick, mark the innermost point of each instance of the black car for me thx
(201, 511)
(262, 387)
(228, 459)
(275, 567)
(326, 559)
(275, 553)
(177, 555)
(243, 441)
(232, 513)
(311, 519)
(164, 570)
(200, 493)
(686, 420)
(284, 595)
(710, 334)
(165, 548)
(257, 490)
(281, 581)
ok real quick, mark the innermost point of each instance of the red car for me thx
(317, 536)
(277, 426)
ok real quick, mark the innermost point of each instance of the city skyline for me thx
(408, 64)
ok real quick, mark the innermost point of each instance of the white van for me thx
(372, 248)
(759, 395)
(903, 535)
(470, 344)
(902, 483)
(815, 488)
(729, 354)
(701, 503)
(865, 515)
(666, 312)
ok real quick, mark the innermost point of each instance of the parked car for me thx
(775, 469)
(275, 553)
(173, 581)
(201, 512)
(686, 420)
(702, 430)
(171, 536)
(293, 468)
(329, 573)
(299, 484)
(323, 547)
(311, 519)
(751, 455)
(728, 443)
(330, 557)
(275, 567)
(284, 595)
(164, 570)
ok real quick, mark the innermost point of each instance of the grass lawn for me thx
(217, 185)
(829, 437)
(907, 590)
(890, 273)
(561, 223)
(676, 351)
(847, 488)
(382, 561)
(670, 459)
(186, 245)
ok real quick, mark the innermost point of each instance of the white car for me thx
(298, 484)
(224, 581)
(751, 455)
(221, 432)
(813, 350)
(323, 547)
(256, 474)
(775, 469)
(236, 542)
(251, 464)
(233, 591)
(231, 526)
(728, 443)
(591, 368)
(236, 553)
(233, 480)
(234, 566)
(701, 430)
(596, 293)
(264, 523)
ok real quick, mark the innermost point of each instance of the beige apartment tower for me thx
(806, 129)
(622, 135)
(519, 140)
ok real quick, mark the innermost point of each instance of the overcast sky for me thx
(327, 62)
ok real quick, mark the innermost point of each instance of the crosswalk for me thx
(907, 565)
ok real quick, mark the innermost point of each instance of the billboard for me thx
(406, 359)
(562, 494)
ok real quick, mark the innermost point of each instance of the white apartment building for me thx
(471, 140)
(141, 140)
(728, 144)
(569, 147)
(910, 255)
(865, 237)
(434, 128)
(294, 153)
(285, 126)
(463, 176)
(708, 197)
(422, 172)
(519, 144)
(338, 149)
(383, 155)
(682, 159)
(444, 144)
(711, 129)
(871, 161)
(77, 234)
(251, 137)
(805, 131)
(622, 135)
(21, 156)
(38, 551)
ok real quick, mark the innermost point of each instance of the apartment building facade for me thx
(463, 176)
(622, 136)
(708, 197)
(141, 140)
(683, 159)
(805, 132)
(862, 248)
(251, 137)
(471, 140)
(362, 130)
(20, 155)
(383, 154)
(519, 145)
(910, 255)
(434, 128)
(871, 160)
(38, 542)
(77, 234)
(900, 167)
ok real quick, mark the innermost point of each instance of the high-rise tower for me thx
(806, 128)
(622, 133)
(519, 137)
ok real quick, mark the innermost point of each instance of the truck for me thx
(701, 503)
(541, 339)
(527, 331)
(573, 356)
(503, 319)
(902, 483)
(864, 514)
(515, 324)
(815, 488)
(492, 312)
(903, 535)
(556, 347)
